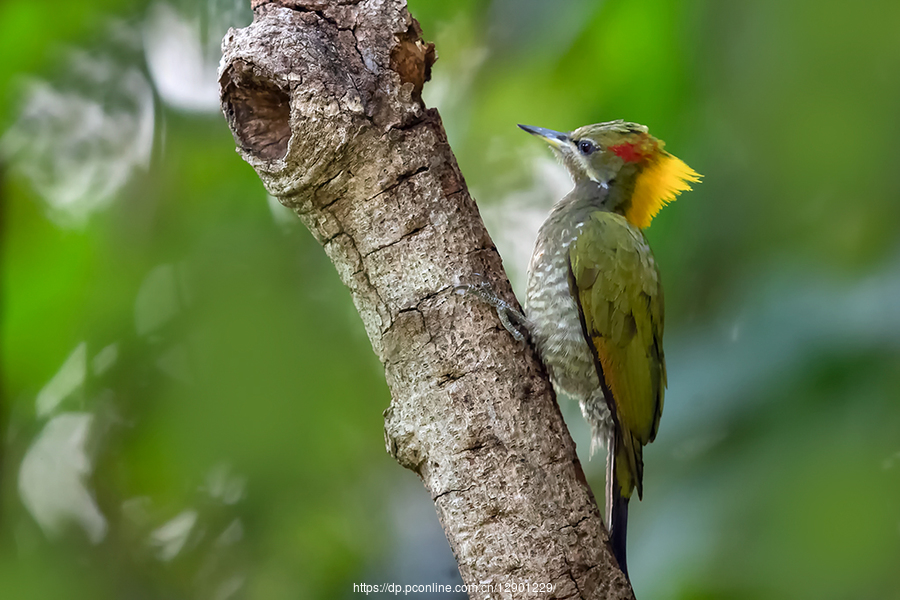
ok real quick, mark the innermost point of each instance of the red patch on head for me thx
(630, 153)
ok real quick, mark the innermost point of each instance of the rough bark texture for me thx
(324, 100)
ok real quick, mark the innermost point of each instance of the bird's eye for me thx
(586, 146)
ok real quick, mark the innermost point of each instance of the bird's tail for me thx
(619, 487)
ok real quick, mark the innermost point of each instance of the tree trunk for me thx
(324, 100)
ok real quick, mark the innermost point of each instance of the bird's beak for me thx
(555, 138)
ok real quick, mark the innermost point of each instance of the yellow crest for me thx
(657, 185)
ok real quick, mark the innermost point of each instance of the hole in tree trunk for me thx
(258, 111)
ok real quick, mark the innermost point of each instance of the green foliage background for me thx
(776, 473)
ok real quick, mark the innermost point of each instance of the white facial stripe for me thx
(587, 168)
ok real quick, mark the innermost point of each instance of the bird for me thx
(594, 299)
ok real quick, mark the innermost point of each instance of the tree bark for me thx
(324, 100)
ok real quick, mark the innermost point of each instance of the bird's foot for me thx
(512, 319)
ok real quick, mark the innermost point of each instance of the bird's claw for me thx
(511, 318)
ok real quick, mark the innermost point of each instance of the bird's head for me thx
(626, 154)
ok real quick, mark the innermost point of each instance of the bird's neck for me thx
(615, 195)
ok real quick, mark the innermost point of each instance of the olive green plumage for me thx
(621, 303)
(594, 299)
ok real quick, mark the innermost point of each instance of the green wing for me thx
(617, 289)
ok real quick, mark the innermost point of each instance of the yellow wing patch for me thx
(627, 394)
(657, 185)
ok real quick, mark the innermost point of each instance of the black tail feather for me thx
(618, 526)
(616, 505)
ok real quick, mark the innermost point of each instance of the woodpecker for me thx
(594, 303)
